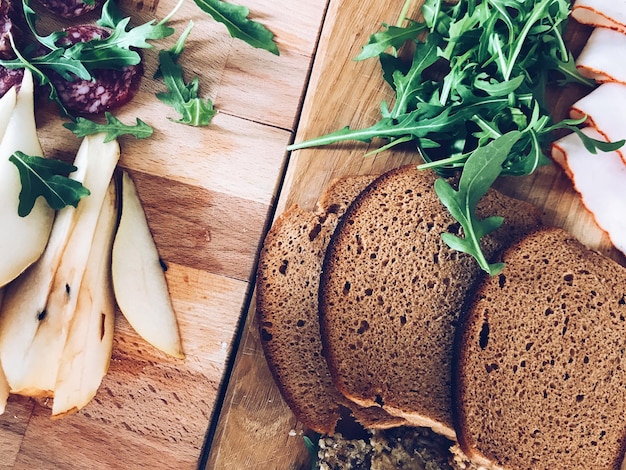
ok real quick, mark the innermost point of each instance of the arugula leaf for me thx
(183, 97)
(48, 178)
(481, 170)
(235, 18)
(311, 449)
(113, 128)
(110, 16)
(393, 37)
(116, 50)
(31, 20)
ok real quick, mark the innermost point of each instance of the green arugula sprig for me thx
(235, 18)
(479, 76)
(48, 178)
(481, 170)
(183, 97)
(113, 128)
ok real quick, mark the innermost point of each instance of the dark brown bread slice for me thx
(539, 372)
(391, 291)
(286, 308)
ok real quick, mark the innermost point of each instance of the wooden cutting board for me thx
(256, 429)
(208, 194)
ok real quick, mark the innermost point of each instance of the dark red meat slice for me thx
(11, 22)
(109, 89)
(10, 78)
(69, 8)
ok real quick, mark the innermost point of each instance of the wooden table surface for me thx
(210, 195)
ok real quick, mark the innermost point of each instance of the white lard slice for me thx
(600, 58)
(606, 13)
(605, 108)
(598, 179)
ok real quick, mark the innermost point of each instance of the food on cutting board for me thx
(57, 314)
(288, 276)
(389, 449)
(466, 74)
(603, 13)
(106, 88)
(540, 429)
(40, 305)
(538, 373)
(138, 280)
(70, 8)
(595, 178)
(87, 350)
(391, 290)
(601, 112)
(23, 238)
(57, 318)
(597, 60)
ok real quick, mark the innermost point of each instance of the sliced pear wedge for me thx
(87, 352)
(4, 385)
(139, 282)
(7, 104)
(22, 239)
(39, 305)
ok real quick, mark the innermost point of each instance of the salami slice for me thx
(11, 23)
(70, 8)
(10, 78)
(109, 88)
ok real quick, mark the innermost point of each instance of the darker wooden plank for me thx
(202, 229)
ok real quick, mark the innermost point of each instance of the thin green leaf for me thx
(235, 18)
(393, 37)
(110, 15)
(113, 128)
(480, 171)
(31, 20)
(183, 97)
(48, 178)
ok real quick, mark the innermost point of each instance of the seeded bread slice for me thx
(286, 308)
(391, 291)
(539, 366)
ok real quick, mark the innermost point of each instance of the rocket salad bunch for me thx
(474, 88)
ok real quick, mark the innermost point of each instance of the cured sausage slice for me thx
(109, 88)
(11, 23)
(69, 8)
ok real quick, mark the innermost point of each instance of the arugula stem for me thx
(403, 13)
(537, 12)
(171, 13)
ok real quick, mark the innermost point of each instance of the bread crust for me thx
(538, 376)
(391, 291)
(286, 311)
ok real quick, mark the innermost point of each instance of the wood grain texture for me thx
(254, 420)
(208, 194)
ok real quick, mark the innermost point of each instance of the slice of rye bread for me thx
(286, 308)
(391, 291)
(539, 376)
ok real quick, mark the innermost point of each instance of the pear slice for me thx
(7, 104)
(22, 239)
(4, 385)
(39, 305)
(87, 352)
(4, 391)
(139, 282)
